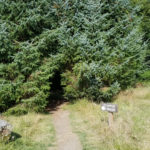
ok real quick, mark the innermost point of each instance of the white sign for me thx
(109, 107)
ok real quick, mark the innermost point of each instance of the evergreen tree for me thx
(95, 45)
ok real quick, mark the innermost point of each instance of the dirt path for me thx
(66, 139)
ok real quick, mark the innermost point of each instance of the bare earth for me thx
(66, 139)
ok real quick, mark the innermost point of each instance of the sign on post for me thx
(111, 109)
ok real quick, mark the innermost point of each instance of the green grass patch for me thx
(31, 132)
(131, 124)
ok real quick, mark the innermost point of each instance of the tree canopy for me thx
(95, 45)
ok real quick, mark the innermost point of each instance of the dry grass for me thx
(131, 129)
(32, 132)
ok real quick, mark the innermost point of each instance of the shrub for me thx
(17, 110)
(146, 76)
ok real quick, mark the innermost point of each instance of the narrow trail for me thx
(66, 139)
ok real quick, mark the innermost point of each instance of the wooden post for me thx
(110, 119)
(111, 109)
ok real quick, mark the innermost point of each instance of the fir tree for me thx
(94, 44)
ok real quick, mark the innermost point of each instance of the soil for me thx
(66, 139)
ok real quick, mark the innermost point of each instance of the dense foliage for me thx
(145, 23)
(95, 45)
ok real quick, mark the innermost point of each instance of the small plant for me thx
(16, 111)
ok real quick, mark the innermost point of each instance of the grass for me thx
(131, 129)
(31, 132)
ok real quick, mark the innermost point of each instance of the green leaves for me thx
(28, 59)
(6, 47)
(106, 35)
(96, 45)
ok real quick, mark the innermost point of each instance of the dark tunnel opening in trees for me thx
(56, 90)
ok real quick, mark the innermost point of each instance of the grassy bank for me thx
(131, 127)
(31, 132)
